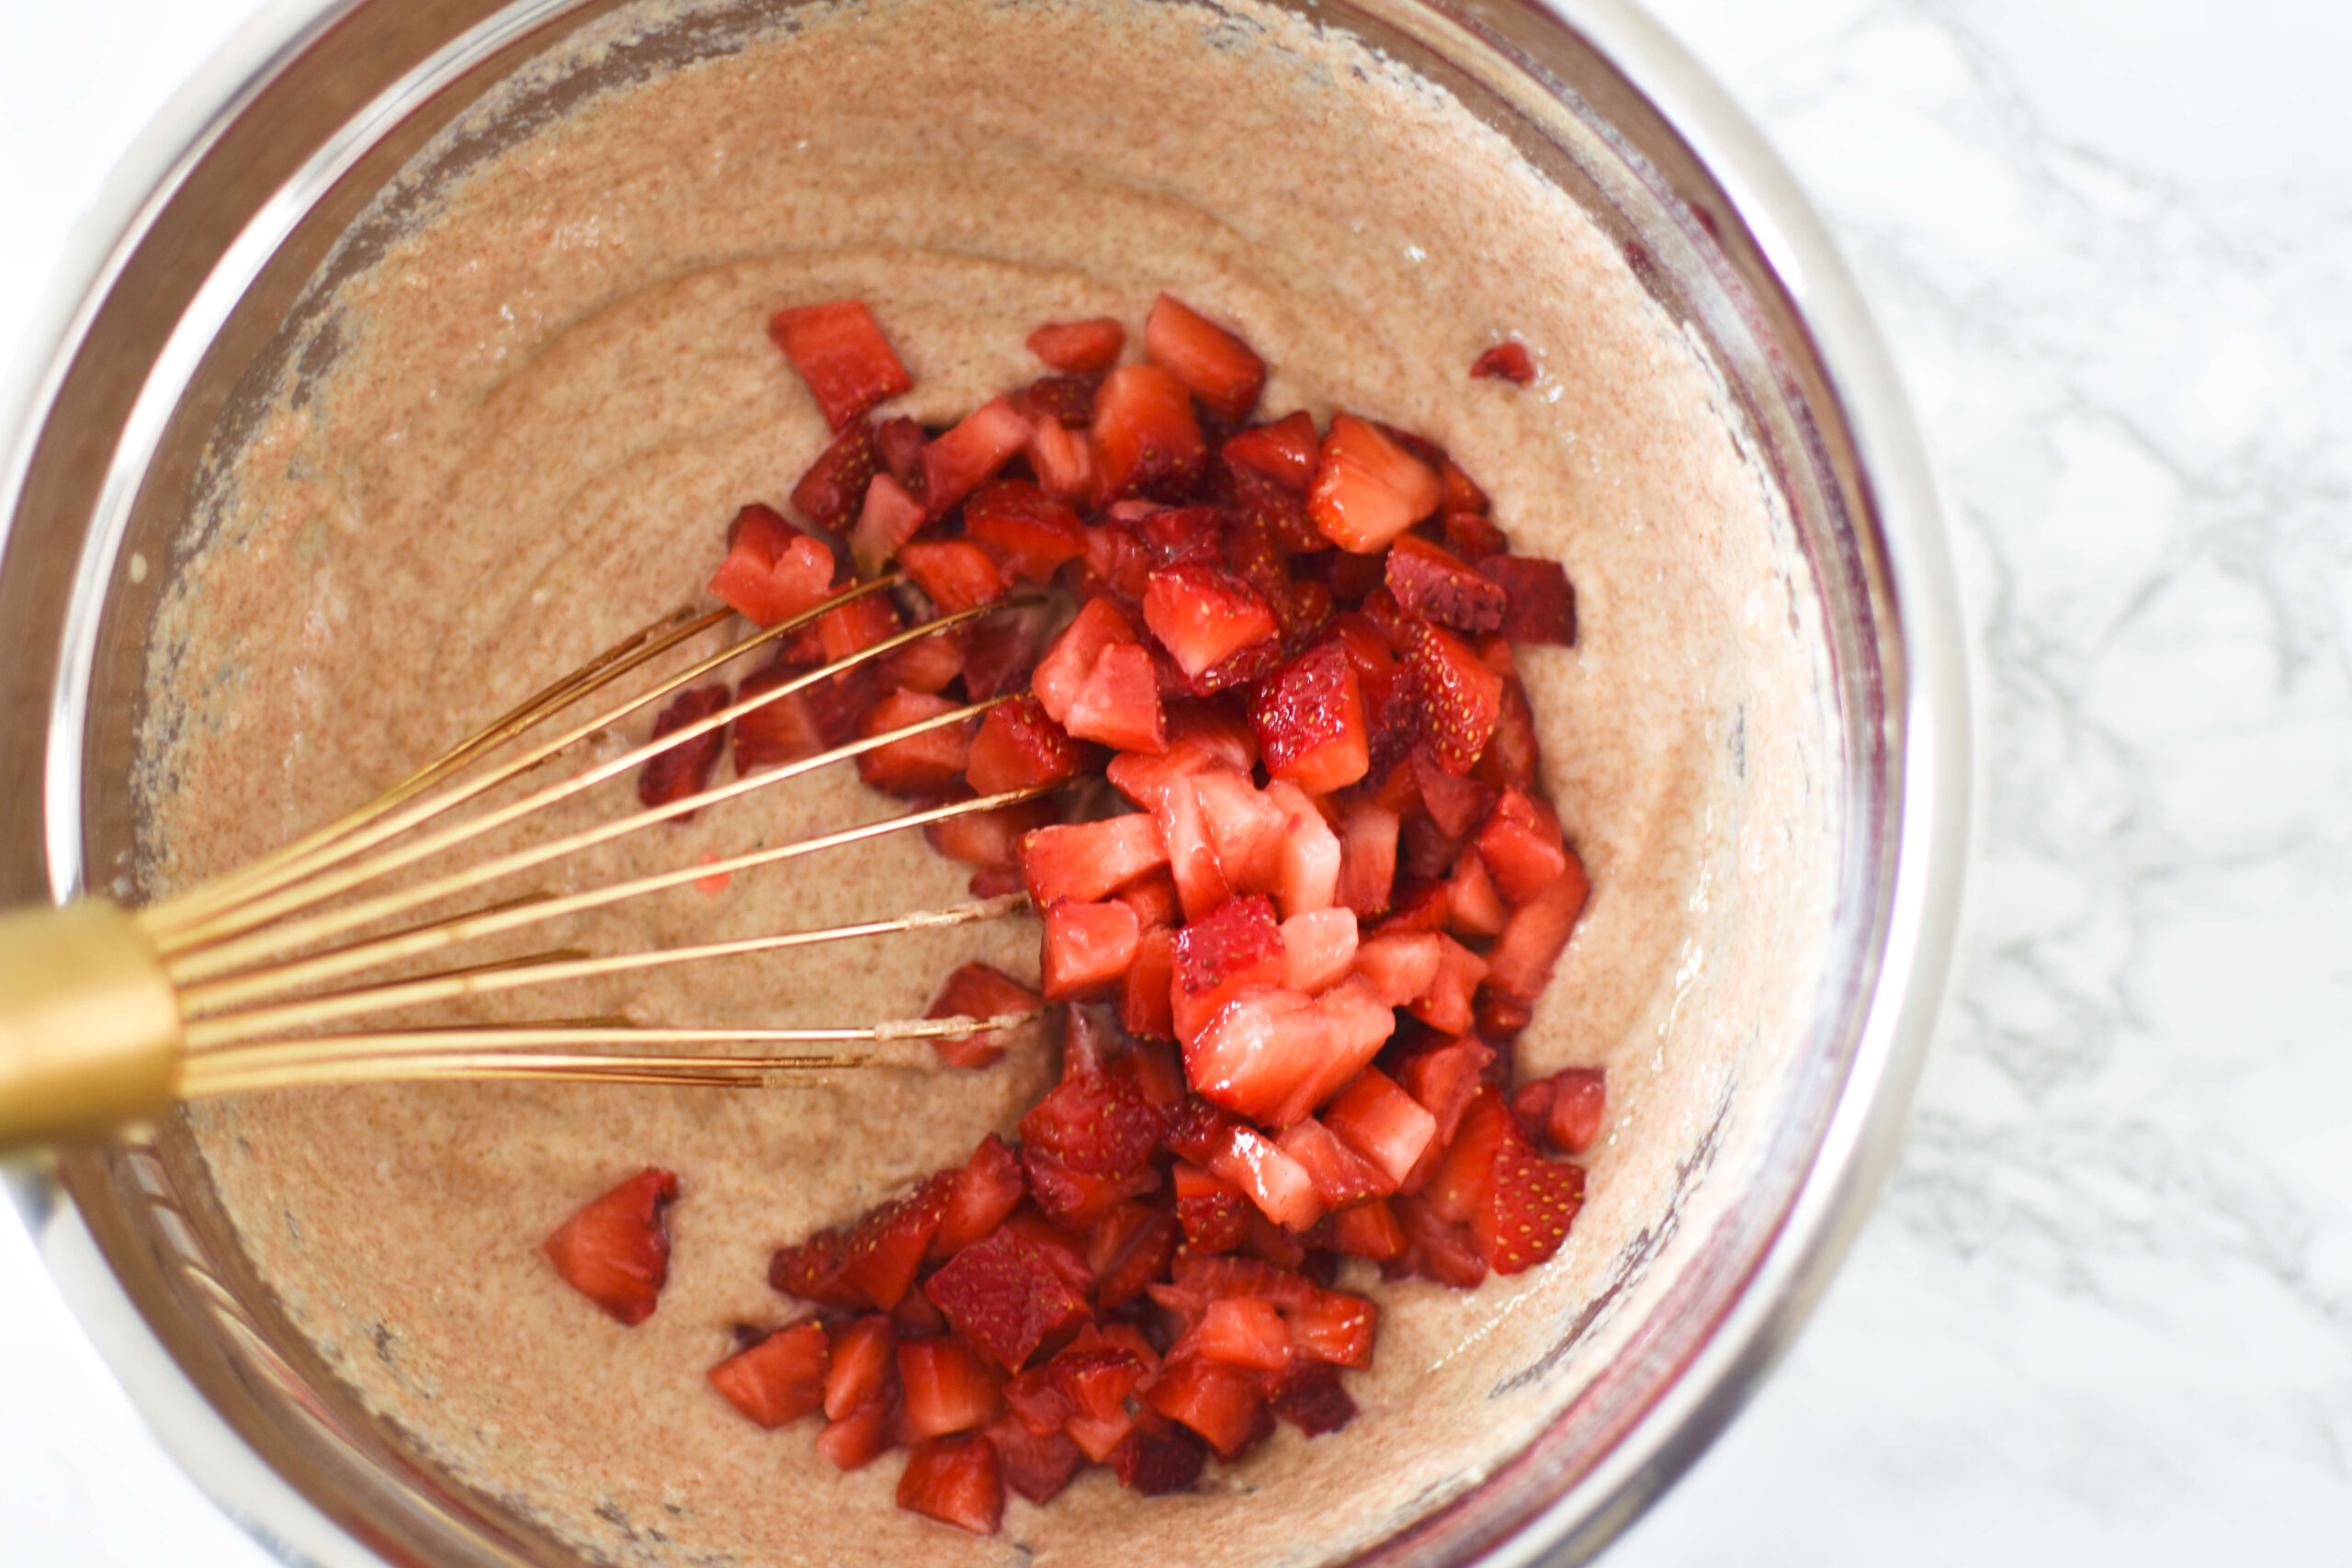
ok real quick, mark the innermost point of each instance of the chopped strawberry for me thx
(1523, 958)
(1238, 943)
(1064, 460)
(1204, 616)
(1036, 1465)
(1277, 1184)
(1460, 694)
(1005, 1296)
(1434, 584)
(1436, 1247)
(1472, 904)
(1166, 1459)
(1309, 1398)
(1446, 1004)
(863, 1367)
(927, 664)
(841, 355)
(1143, 1006)
(1128, 1249)
(1214, 364)
(1119, 704)
(1031, 1398)
(1501, 1017)
(915, 1318)
(833, 488)
(1340, 1175)
(922, 763)
(1522, 848)
(1201, 735)
(956, 1481)
(1307, 865)
(1018, 747)
(683, 770)
(980, 1196)
(1506, 361)
(783, 730)
(948, 1387)
(857, 1440)
(889, 517)
(991, 839)
(773, 570)
(856, 627)
(1382, 1123)
(871, 1262)
(1243, 1331)
(1153, 898)
(1064, 401)
(1086, 861)
(957, 462)
(1310, 722)
(1533, 1200)
(1455, 803)
(1087, 946)
(1215, 1215)
(1080, 348)
(1367, 857)
(1368, 1229)
(1542, 603)
(953, 574)
(976, 990)
(1420, 906)
(999, 652)
(1318, 948)
(1201, 882)
(1030, 530)
(1512, 755)
(1463, 1177)
(1444, 1079)
(1096, 1378)
(1144, 433)
(1356, 1024)
(616, 1250)
(1471, 534)
(1399, 968)
(1282, 451)
(1094, 1123)
(1336, 1328)
(1062, 674)
(1244, 826)
(1367, 489)
(1566, 1107)
(1220, 1403)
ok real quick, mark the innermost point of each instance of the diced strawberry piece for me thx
(988, 1188)
(1434, 584)
(1471, 904)
(1309, 1398)
(991, 837)
(1367, 857)
(1098, 1383)
(1541, 603)
(1444, 1079)
(889, 517)
(1029, 529)
(616, 1249)
(1127, 1250)
(1399, 968)
(1463, 1177)
(1511, 757)
(1470, 533)
(1094, 1123)
(841, 355)
(773, 570)
(1283, 451)
(685, 769)
(1204, 616)
(1524, 956)
(1336, 1328)
(1144, 1005)
(1064, 401)
(1197, 741)
(1506, 361)
(975, 990)
(948, 1387)
(1201, 882)
(1119, 703)
(1116, 564)
(956, 464)
(1074, 1200)
(862, 1366)
(783, 731)
(1500, 1017)
(1276, 1245)
(1567, 1107)
(833, 488)
(1522, 848)
(1219, 1403)
(1307, 859)
(1018, 747)
(1080, 348)
(1356, 1024)
(857, 1440)
(1367, 489)
(870, 1263)
(1086, 945)
(1000, 652)
(1214, 364)
(1085, 861)
(898, 442)
(1005, 1296)
(1460, 695)
(1059, 1250)
(1215, 1215)
(1035, 1465)
(1064, 460)
(1420, 906)
(1436, 1247)
(922, 764)
(1368, 1229)
(1257, 1050)
(1144, 433)
(1246, 827)
(1456, 804)
(1533, 1202)
(1310, 723)
(1156, 1462)
(1384, 1123)
(956, 1481)
(1340, 1175)
(1242, 1331)
(955, 575)
(1276, 1183)
(1062, 674)
(1237, 942)
(1153, 898)
(916, 1318)
(1446, 1004)
(1318, 948)
(1033, 1399)
(926, 664)
(857, 626)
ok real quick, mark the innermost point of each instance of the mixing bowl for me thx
(266, 170)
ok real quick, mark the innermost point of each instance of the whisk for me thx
(265, 977)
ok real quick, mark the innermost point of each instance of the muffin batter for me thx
(520, 436)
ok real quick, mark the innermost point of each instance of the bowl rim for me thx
(1935, 804)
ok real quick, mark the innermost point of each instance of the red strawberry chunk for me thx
(980, 444)
(1437, 1248)
(1214, 364)
(1276, 1183)
(948, 1387)
(1144, 433)
(1368, 1229)
(1542, 602)
(616, 1250)
(975, 990)
(685, 769)
(1309, 1398)
(1471, 534)
(956, 1481)
(1085, 861)
(1156, 1462)
(1356, 1024)
(783, 731)
(1204, 616)
(841, 355)
(1238, 943)
(926, 664)
(1218, 1401)
(1500, 1017)
(1511, 757)
(1434, 584)
(1066, 401)
(922, 764)
(1033, 1399)
(1340, 1175)
(1367, 489)
(773, 570)
(1087, 946)
(1127, 1250)
(1471, 904)
(1337, 1328)
(1400, 967)
(1062, 674)
(1283, 451)
(856, 626)
(1521, 961)
(1029, 529)
(1018, 747)
(1093, 1123)
(1215, 1215)
(1035, 1465)
(860, 1438)
(953, 574)
(1144, 1004)
(1080, 348)
(1004, 1296)
(1243, 1331)
(1318, 948)
(1000, 652)
(1506, 361)
(1200, 737)
(889, 517)
(1310, 723)
(1064, 460)
(870, 1263)
(1446, 1004)
(863, 1367)
(991, 839)
(1367, 857)
(1119, 703)
(1307, 859)
(988, 1188)
(1153, 898)
(1533, 1202)
(1373, 1116)
(1461, 696)
(1444, 1079)
(1257, 1050)
(1246, 827)
(780, 1379)
(1457, 804)
(1522, 848)
(1568, 1106)
(833, 488)
(1463, 1179)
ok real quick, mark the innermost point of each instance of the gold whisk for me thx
(253, 980)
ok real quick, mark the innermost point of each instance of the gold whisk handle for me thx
(89, 1026)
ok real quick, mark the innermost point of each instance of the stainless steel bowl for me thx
(224, 213)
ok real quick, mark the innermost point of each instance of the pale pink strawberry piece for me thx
(922, 764)
(1064, 461)
(1119, 704)
(773, 570)
(1444, 1079)
(1521, 847)
(1522, 960)
(1019, 748)
(1318, 948)
(1368, 1229)
(1214, 364)
(1460, 695)
(1506, 361)
(1340, 1175)
(862, 1366)
(1367, 857)
(1099, 1385)
(1087, 861)
(1243, 1331)
(1062, 674)
(1213, 1212)
(1245, 827)
(841, 355)
(1445, 1005)
(779, 1379)
(1307, 874)
(1086, 945)
(1204, 616)
(888, 520)
(1310, 724)
(1355, 1024)
(1373, 1116)
(976, 990)
(1004, 1294)
(956, 1481)
(1144, 995)
(683, 770)
(1283, 451)
(616, 1249)
(1200, 881)
(1144, 433)
(948, 1388)
(1200, 736)
(1030, 531)
(1400, 967)
(1367, 489)
(1258, 1048)
(1080, 348)
(1472, 904)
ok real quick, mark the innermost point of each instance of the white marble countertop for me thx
(2103, 1313)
